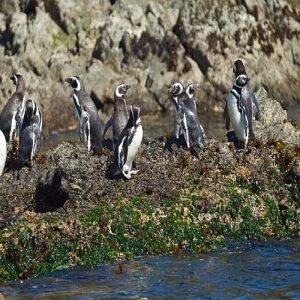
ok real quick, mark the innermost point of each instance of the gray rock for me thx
(273, 125)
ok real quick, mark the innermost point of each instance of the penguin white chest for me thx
(237, 119)
(133, 147)
(2, 152)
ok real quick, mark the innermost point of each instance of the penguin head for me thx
(241, 80)
(16, 78)
(191, 88)
(74, 81)
(238, 68)
(176, 88)
(121, 90)
(135, 113)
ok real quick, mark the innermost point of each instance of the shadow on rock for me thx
(51, 194)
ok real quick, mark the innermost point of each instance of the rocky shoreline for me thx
(64, 211)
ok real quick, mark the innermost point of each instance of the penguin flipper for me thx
(107, 126)
(185, 131)
(178, 124)
(84, 129)
(122, 152)
(19, 121)
(226, 117)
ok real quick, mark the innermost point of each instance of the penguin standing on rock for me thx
(90, 129)
(2, 152)
(11, 117)
(129, 143)
(239, 106)
(30, 134)
(32, 109)
(176, 89)
(120, 115)
(29, 139)
(187, 120)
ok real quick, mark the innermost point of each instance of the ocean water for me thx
(260, 270)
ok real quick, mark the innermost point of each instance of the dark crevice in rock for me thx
(112, 2)
(97, 52)
(53, 10)
(50, 194)
(30, 9)
(195, 54)
(7, 38)
(96, 100)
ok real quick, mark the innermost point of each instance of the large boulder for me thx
(274, 125)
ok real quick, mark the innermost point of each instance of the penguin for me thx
(32, 109)
(11, 117)
(238, 109)
(187, 118)
(90, 129)
(120, 115)
(29, 139)
(175, 90)
(129, 142)
(3, 151)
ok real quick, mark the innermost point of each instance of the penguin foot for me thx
(127, 175)
(133, 172)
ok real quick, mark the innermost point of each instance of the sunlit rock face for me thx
(148, 45)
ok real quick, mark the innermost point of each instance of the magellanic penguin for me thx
(32, 109)
(3, 153)
(29, 141)
(120, 115)
(129, 142)
(11, 117)
(238, 108)
(176, 89)
(90, 129)
(187, 120)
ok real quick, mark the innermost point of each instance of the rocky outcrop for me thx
(147, 44)
(273, 124)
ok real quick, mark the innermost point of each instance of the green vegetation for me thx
(195, 219)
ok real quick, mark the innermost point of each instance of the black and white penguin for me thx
(120, 115)
(11, 117)
(29, 140)
(239, 106)
(188, 117)
(90, 129)
(2, 152)
(32, 109)
(175, 90)
(129, 142)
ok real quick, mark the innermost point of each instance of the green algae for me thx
(132, 227)
(254, 196)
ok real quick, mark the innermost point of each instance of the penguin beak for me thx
(128, 86)
(69, 80)
(170, 89)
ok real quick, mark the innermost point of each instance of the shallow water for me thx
(163, 124)
(264, 270)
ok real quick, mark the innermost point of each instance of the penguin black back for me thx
(11, 117)
(90, 127)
